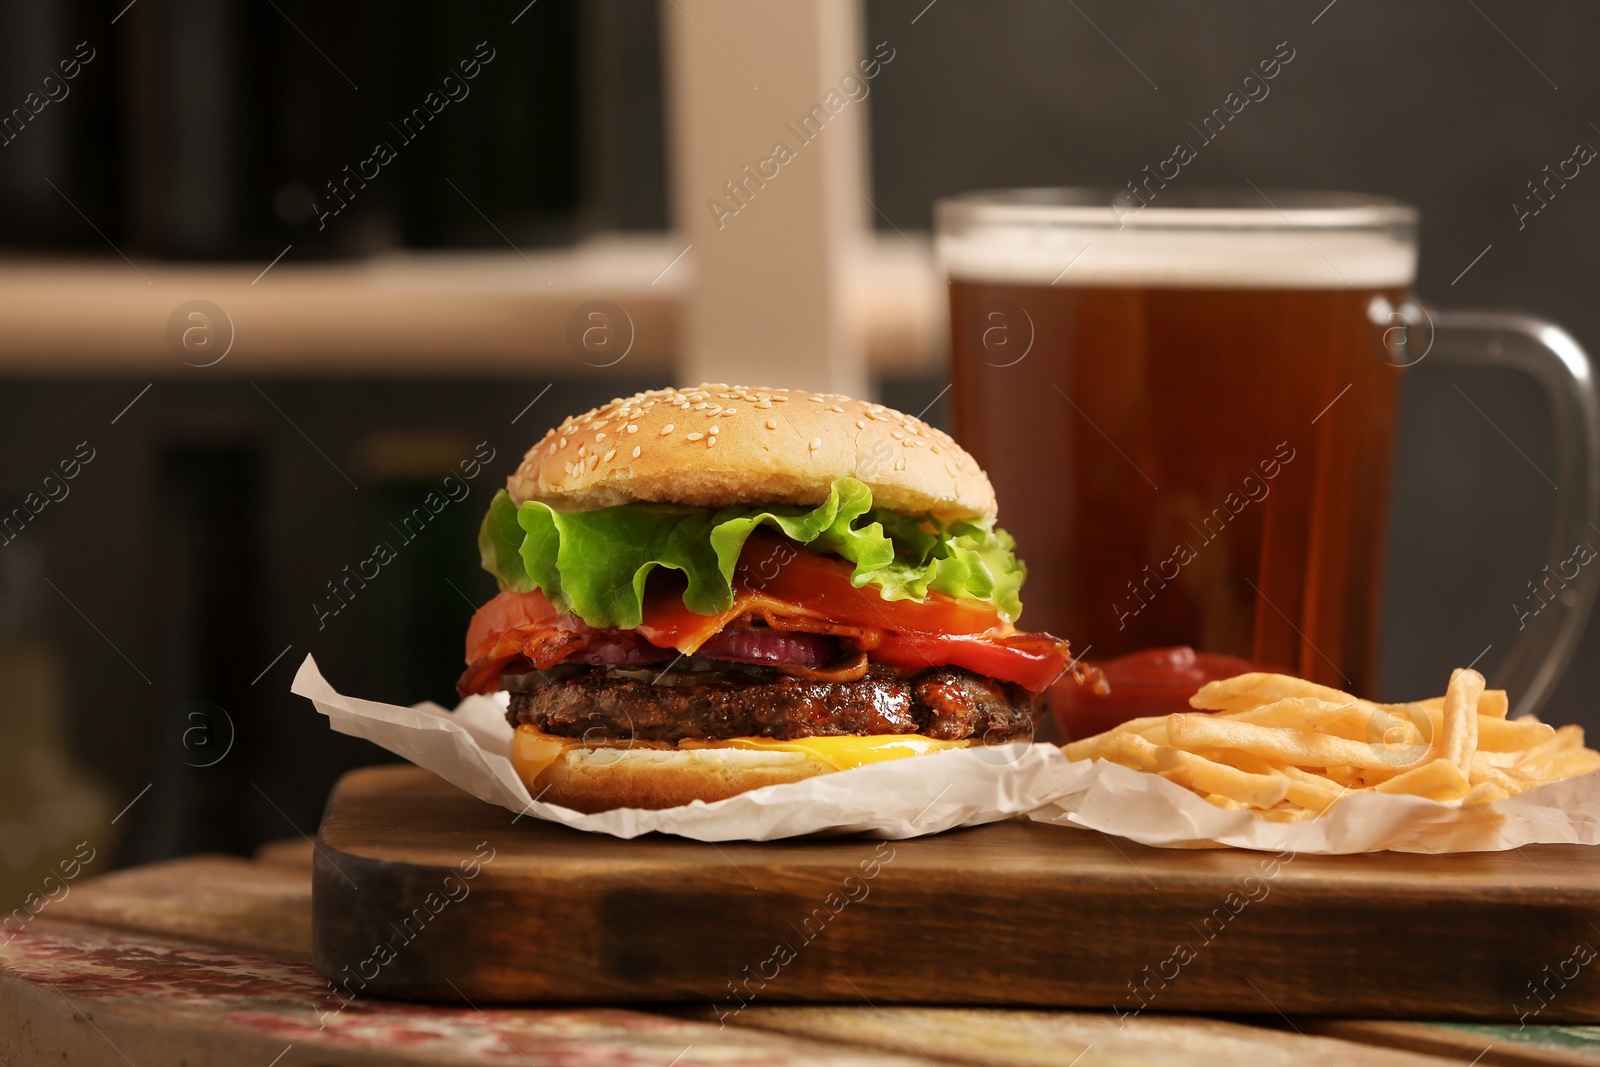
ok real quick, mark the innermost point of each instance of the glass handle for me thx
(1550, 355)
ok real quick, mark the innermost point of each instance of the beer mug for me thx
(1189, 407)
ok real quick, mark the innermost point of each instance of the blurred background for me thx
(273, 270)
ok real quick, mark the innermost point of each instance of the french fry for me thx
(1089, 747)
(1140, 726)
(1486, 793)
(1502, 735)
(1401, 735)
(1243, 760)
(1300, 748)
(1358, 724)
(1312, 791)
(1300, 713)
(1086, 747)
(1460, 737)
(1504, 778)
(1287, 749)
(1204, 775)
(1535, 757)
(1438, 779)
(1502, 760)
(1132, 750)
(1245, 691)
(1493, 704)
(1572, 764)
(1286, 813)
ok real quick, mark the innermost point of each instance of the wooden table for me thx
(205, 960)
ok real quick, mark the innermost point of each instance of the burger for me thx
(709, 590)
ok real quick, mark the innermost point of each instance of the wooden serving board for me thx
(421, 891)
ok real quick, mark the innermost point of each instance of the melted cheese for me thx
(841, 753)
(532, 750)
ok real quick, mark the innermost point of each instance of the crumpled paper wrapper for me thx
(1111, 798)
(897, 799)
(927, 794)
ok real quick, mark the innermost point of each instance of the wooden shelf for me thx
(415, 313)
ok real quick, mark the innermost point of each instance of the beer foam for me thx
(1191, 252)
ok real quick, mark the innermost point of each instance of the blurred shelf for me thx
(416, 313)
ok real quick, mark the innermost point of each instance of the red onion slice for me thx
(627, 648)
(762, 644)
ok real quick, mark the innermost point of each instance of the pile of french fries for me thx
(1287, 749)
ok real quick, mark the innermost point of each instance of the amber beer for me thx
(1192, 432)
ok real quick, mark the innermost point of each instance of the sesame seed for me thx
(633, 427)
(772, 424)
(636, 452)
(562, 443)
(763, 403)
(861, 424)
(730, 411)
(711, 440)
(897, 435)
(715, 430)
(835, 408)
(816, 443)
(593, 460)
(776, 399)
(695, 436)
(599, 437)
(668, 428)
(900, 464)
(583, 450)
(611, 455)
(700, 406)
(816, 400)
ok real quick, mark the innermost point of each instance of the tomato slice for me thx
(789, 588)
(1032, 661)
(783, 573)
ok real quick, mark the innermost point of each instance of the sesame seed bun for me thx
(717, 445)
(599, 779)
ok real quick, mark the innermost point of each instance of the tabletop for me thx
(206, 960)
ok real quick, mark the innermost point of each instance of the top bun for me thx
(716, 445)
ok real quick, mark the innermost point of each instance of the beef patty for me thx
(946, 703)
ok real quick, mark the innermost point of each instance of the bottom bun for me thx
(599, 779)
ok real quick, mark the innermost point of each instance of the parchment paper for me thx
(897, 799)
(1098, 795)
(927, 794)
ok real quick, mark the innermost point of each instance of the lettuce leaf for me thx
(596, 563)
